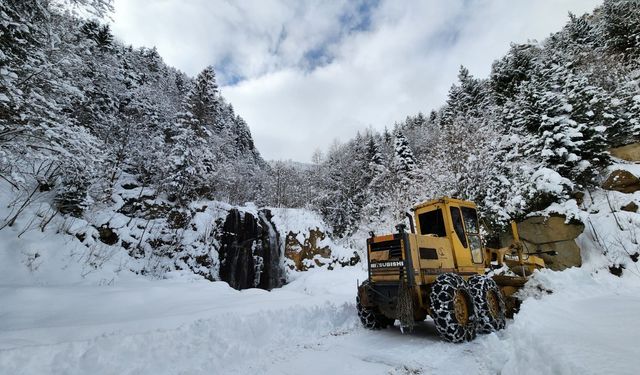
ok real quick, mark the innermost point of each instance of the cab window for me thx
(432, 222)
(456, 217)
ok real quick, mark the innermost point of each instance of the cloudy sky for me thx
(303, 73)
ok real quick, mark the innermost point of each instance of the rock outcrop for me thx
(622, 181)
(250, 251)
(629, 152)
(307, 251)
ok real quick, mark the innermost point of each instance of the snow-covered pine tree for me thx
(622, 26)
(590, 109)
(404, 161)
(374, 157)
(335, 201)
(625, 103)
(569, 117)
(468, 97)
(376, 197)
(202, 107)
(41, 145)
(509, 72)
(404, 176)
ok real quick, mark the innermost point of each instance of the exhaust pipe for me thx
(411, 225)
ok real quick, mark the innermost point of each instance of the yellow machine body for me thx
(445, 239)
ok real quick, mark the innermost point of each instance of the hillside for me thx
(555, 105)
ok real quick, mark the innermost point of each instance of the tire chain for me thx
(479, 286)
(442, 306)
(370, 318)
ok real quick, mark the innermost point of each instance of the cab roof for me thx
(444, 200)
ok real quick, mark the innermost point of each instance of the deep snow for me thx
(587, 325)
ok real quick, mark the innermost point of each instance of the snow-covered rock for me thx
(308, 241)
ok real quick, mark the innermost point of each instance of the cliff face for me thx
(257, 249)
(250, 251)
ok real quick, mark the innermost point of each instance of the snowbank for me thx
(222, 331)
(41, 248)
(586, 326)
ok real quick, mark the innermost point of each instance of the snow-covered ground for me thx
(588, 325)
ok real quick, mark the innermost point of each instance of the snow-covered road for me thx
(308, 327)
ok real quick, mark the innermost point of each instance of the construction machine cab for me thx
(456, 220)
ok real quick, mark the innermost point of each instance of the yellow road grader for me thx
(439, 269)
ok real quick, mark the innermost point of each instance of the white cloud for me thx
(404, 63)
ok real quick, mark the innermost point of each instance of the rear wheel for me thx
(371, 318)
(489, 304)
(452, 308)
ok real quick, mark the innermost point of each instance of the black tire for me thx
(452, 308)
(488, 302)
(371, 318)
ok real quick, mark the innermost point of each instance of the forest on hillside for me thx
(535, 132)
(78, 109)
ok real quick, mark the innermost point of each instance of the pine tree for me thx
(467, 97)
(202, 105)
(404, 161)
(508, 73)
(590, 109)
(580, 31)
(374, 157)
(622, 24)
(625, 103)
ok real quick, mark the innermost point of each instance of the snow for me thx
(548, 180)
(32, 256)
(632, 168)
(297, 220)
(569, 209)
(584, 327)
(310, 326)
(567, 107)
(160, 328)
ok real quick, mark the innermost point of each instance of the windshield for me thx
(470, 220)
(470, 217)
